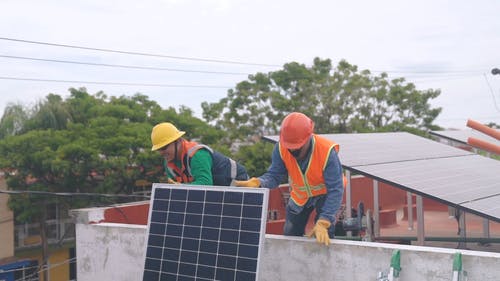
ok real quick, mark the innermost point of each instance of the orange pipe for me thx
(484, 145)
(483, 129)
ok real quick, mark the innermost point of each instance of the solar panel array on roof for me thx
(450, 175)
(204, 233)
(456, 180)
(376, 148)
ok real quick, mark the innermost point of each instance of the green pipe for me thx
(396, 262)
(457, 262)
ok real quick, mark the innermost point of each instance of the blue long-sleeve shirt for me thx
(332, 174)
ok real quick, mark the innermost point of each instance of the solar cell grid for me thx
(204, 233)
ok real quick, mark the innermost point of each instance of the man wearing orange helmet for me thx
(314, 173)
(193, 163)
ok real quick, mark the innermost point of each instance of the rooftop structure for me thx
(422, 174)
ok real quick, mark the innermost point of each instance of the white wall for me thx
(110, 251)
(284, 258)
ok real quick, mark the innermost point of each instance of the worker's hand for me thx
(252, 182)
(320, 231)
(171, 181)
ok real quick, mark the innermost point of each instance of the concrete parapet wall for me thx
(298, 258)
(110, 251)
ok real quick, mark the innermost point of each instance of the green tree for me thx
(83, 144)
(50, 113)
(256, 157)
(13, 120)
(339, 100)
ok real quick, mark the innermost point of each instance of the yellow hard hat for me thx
(163, 134)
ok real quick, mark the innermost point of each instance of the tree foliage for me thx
(85, 144)
(339, 100)
(13, 120)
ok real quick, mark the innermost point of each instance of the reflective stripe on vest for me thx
(192, 150)
(189, 148)
(183, 174)
(311, 183)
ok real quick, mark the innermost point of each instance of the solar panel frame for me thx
(220, 243)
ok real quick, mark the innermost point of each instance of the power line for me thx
(16, 192)
(47, 267)
(492, 93)
(122, 66)
(198, 59)
(193, 59)
(428, 71)
(20, 269)
(137, 53)
(464, 118)
(114, 83)
(458, 77)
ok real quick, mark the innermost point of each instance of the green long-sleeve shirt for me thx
(201, 168)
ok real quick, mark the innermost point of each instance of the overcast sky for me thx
(446, 45)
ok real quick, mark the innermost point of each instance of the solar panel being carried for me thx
(204, 232)
(456, 177)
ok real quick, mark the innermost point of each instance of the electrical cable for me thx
(45, 267)
(422, 73)
(492, 93)
(207, 60)
(123, 66)
(114, 83)
(193, 59)
(415, 79)
(136, 53)
(19, 268)
(450, 74)
(13, 192)
(427, 71)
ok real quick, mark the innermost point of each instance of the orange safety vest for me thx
(311, 183)
(224, 169)
(183, 174)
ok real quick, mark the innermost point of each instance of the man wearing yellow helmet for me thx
(193, 163)
(315, 176)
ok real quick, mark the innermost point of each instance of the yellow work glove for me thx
(171, 181)
(320, 231)
(252, 182)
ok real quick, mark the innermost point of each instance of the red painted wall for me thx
(134, 214)
(361, 190)
(390, 197)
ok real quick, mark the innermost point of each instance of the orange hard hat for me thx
(296, 130)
